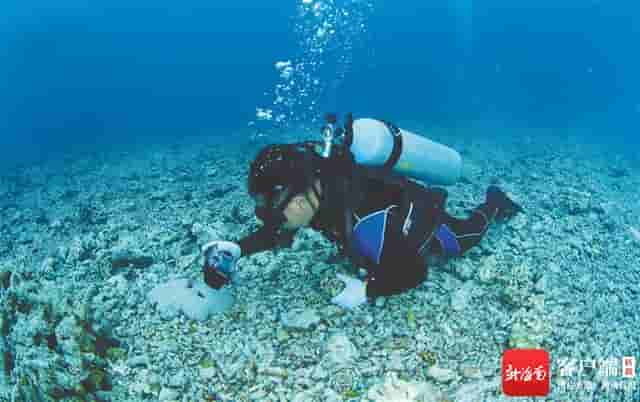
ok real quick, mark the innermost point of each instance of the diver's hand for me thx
(353, 295)
(220, 259)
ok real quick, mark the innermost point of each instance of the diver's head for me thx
(302, 207)
(284, 182)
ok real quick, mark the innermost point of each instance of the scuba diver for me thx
(380, 219)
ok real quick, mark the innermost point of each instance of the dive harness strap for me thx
(393, 130)
(397, 145)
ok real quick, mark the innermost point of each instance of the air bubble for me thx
(328, 31)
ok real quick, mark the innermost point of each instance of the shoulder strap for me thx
(397, 145)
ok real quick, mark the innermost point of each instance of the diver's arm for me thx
(394, 274)
(220, 256)
(265, 238)
(400, 269)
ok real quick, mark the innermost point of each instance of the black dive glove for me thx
(220, 259)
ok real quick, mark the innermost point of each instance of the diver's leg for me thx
(455, 236)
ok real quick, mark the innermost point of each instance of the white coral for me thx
(396, 390)
(440, 374)
(487, 271)
(120, 368)
(472, 392)
(530, 329)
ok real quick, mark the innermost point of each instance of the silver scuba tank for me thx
(379, 143)
(376, 143)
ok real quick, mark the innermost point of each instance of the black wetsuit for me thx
(395, 227)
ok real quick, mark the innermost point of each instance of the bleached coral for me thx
(487, 272)
(518, 286)
(531, 328)
(394, 389)
(472, 392)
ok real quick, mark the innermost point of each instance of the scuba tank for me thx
(378, 143)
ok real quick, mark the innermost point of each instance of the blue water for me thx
(81, 72)
(78, 76)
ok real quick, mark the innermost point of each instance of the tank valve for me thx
(331, 134)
